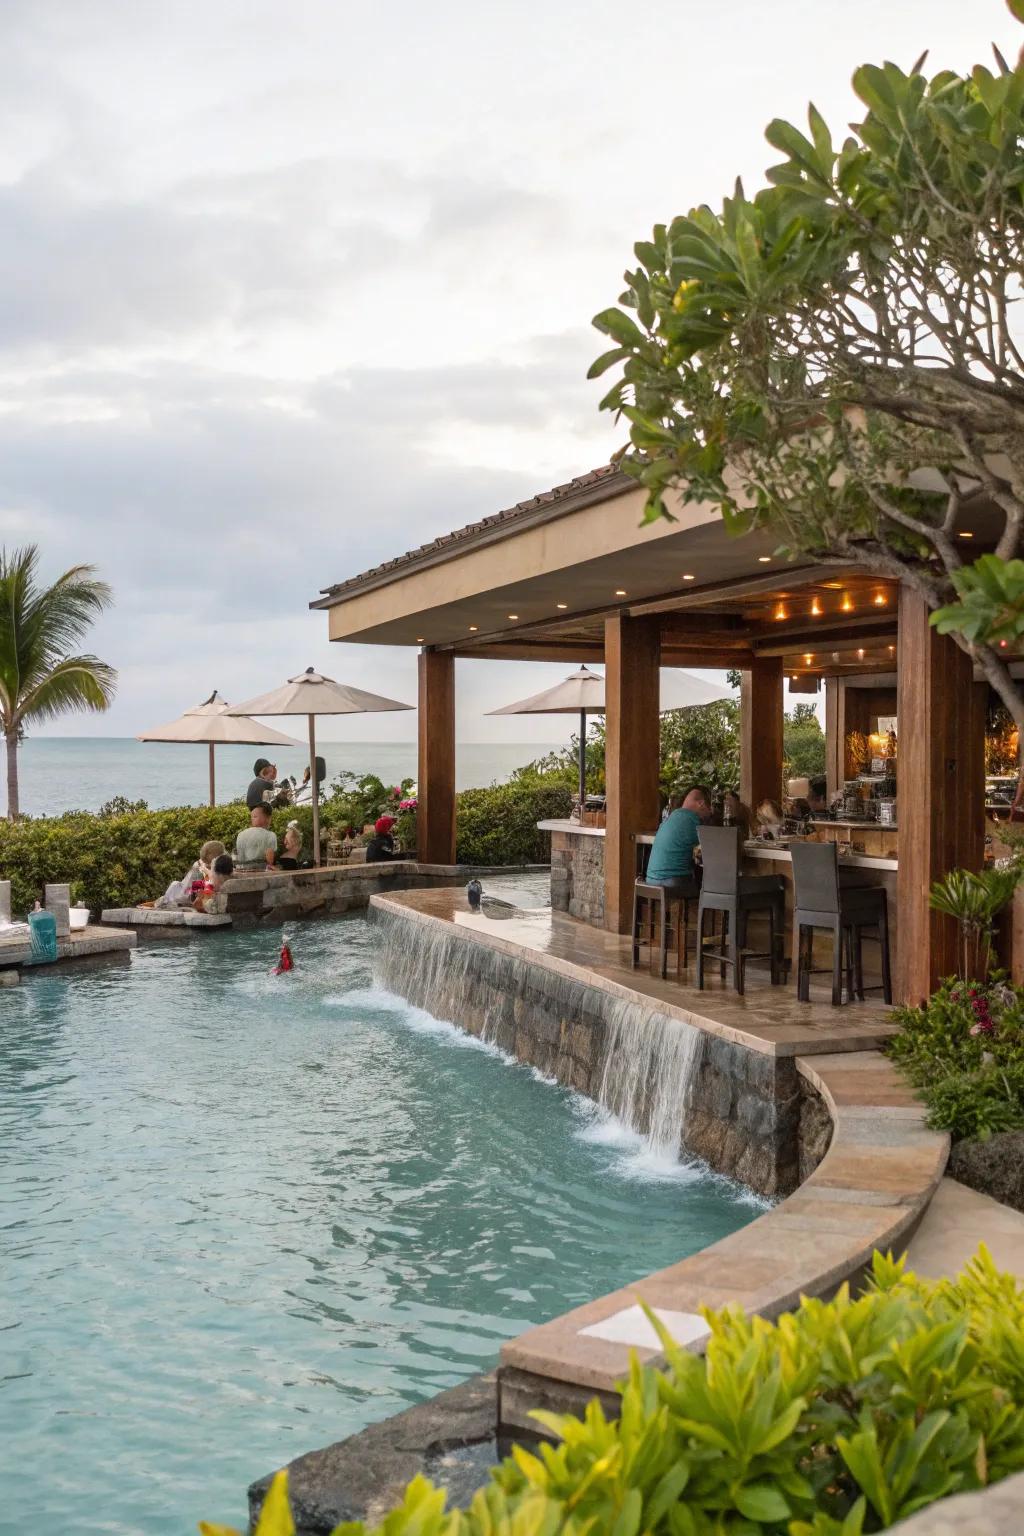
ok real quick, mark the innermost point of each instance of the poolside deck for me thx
(767, 1019)
(81, 944)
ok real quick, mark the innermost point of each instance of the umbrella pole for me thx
(583, 763)
(213, 779)
(316, 790)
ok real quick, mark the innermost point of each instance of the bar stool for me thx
(724, 889)
(820, 901)
(670, 904)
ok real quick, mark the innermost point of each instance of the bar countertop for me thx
(754, 848)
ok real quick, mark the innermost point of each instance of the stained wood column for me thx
(835, 736)
(435, 816)
(632, 652)
(761, 731)
(940, 790)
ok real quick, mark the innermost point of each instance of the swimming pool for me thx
(245, 1215)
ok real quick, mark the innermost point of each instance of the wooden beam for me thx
(761, 731)
(631, 756)
(941, 791)
(435, 816)
(688, 598)
(783, 642)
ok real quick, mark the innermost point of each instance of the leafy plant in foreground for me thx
(840, 1419)
(975, 901)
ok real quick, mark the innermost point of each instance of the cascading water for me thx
(649, 1062)
(637, 1063)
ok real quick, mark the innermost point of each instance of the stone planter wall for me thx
(330, 892)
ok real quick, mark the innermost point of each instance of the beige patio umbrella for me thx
(312, 694)
(582, 693)
(211, 723)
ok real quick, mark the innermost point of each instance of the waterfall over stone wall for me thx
(648, 1070)
(681, 1087)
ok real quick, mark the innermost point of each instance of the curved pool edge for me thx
(868, 1193)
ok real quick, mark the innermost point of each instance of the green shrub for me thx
(119, 860)
(963, 1051)
(842, 1418)
(499, 825)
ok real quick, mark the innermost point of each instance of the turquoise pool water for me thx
(243, 1216)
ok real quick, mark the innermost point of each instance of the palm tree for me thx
(39, 626)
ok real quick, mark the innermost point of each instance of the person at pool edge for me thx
(671, 861)
(256, 845)
(381, 847)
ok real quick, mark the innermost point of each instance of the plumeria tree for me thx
(839, 359)
(41, 676)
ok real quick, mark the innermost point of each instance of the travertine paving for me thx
(766, 1019)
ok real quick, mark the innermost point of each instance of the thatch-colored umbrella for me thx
(312, 694)
(211, 724)
(582, 693)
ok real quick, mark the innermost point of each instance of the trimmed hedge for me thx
(118, 861)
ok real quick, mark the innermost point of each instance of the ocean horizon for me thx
(81, 773)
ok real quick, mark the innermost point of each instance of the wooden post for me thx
(835, 736)
(435, 816)
(632, 651)
(761, 731)
(940, 791)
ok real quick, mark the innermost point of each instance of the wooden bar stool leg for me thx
(637, 919)
(663, 934)
(701, 914)
(883, 936)
(837, 965)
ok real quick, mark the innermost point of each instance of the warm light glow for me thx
(763, 559)
(513, 615)
(620, 591)
(880, 599)
(419, 639)
(860, 655)
(833, 586)
(816, 609)
(966, 535)
(892, 650)
(561, 605)
(473, 628)
(808, 658)
(1002, 645)
(847, 603)
(780, 611)
(689, 578)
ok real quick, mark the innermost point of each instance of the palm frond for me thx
(76, 683)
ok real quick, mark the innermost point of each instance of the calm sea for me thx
(80, 773)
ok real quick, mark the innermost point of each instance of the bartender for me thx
(817, 797)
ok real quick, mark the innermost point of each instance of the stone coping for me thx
(869, 1192)
(767, 1019)
(80, 944)
(164, 917)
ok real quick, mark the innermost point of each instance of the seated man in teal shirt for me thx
(671, 861)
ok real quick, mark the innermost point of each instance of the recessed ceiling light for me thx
(860, 655)
(808, 658)
(816, 609)
(419, 639)
(473, 628)
(780, 611)
(880, 599)
(847, 603)
(763, 559)
(892, 650)
(513, 615)
(833, 586)
(561, 605)
(620, 591)
(688, 577)
(966, 535)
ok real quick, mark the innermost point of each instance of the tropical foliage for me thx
(843, 1417)
(42, 675)
(803, 743)
(975, 901)
(835, 359)
(964, 1052)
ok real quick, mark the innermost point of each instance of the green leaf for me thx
(762, 1501)
(620, 327)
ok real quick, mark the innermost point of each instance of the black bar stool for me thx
(724, 889)
(845, 911)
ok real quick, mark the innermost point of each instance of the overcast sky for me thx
(287, 289)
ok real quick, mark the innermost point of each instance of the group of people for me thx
(265, 789)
